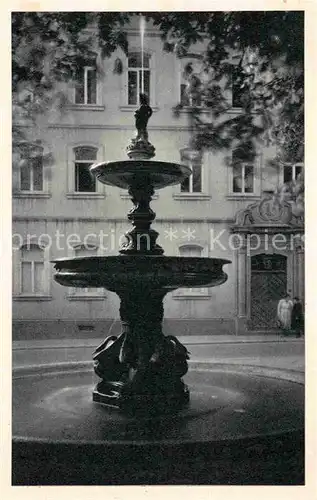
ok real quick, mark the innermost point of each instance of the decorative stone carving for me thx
(269, 211)
(268, 215)
(140, 149)
(141, 370)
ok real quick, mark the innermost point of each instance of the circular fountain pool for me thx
(240, 427)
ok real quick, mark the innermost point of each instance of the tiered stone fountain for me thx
(141, 369)
(139, 424)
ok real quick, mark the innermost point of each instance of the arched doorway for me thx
(268, 286)
(272, 267)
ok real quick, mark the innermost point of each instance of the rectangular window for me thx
(238, 90)
(84, 181)
(32, 271)
(38, 276)
(190, 81)
(243, 178)
(135, 76)
(31, 174)
(146, 82)
(86, 86)
(288, 173)
(291, 172)
(194, 100)
(190, 100)
(84, 158)
(26, 281)
(25, 178)
(91, 86)
(193, 183)
(133, 87)
(248, 179)
(184, 96)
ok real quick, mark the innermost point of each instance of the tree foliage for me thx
(266, 48)
(48, 48)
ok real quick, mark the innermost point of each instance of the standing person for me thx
(297, 317)
(284, 313)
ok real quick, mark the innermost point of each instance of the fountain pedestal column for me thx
(141, 369)
(141, 239)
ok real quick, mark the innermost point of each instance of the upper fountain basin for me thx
(158, 272)
(123, 174)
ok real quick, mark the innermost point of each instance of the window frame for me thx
(138, 71)
(45, 293)
(181, 81)
(99, 104)
(87, 164)
(32, 193)
(33, 265)
(191, 164)
(235, 68)
(256, 164)
(31, 167)
(243, 166)
(289, 164)
(125, 106)
(71, 171)
(189, 156)
(86, 69)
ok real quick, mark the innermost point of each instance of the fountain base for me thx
(111, 394)
(148, 383)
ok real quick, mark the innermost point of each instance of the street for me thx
(288, 354)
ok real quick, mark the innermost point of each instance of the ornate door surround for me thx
(268, 286)
(268, 223)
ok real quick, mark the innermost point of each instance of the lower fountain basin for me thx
(160, 272)
(158, 174)
(241, 427)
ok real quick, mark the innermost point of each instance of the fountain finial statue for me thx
(142, 116)
(140, 147)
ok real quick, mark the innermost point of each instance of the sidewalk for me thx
(277, 356)
(187, 340)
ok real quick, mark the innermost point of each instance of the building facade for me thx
(221, 211)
